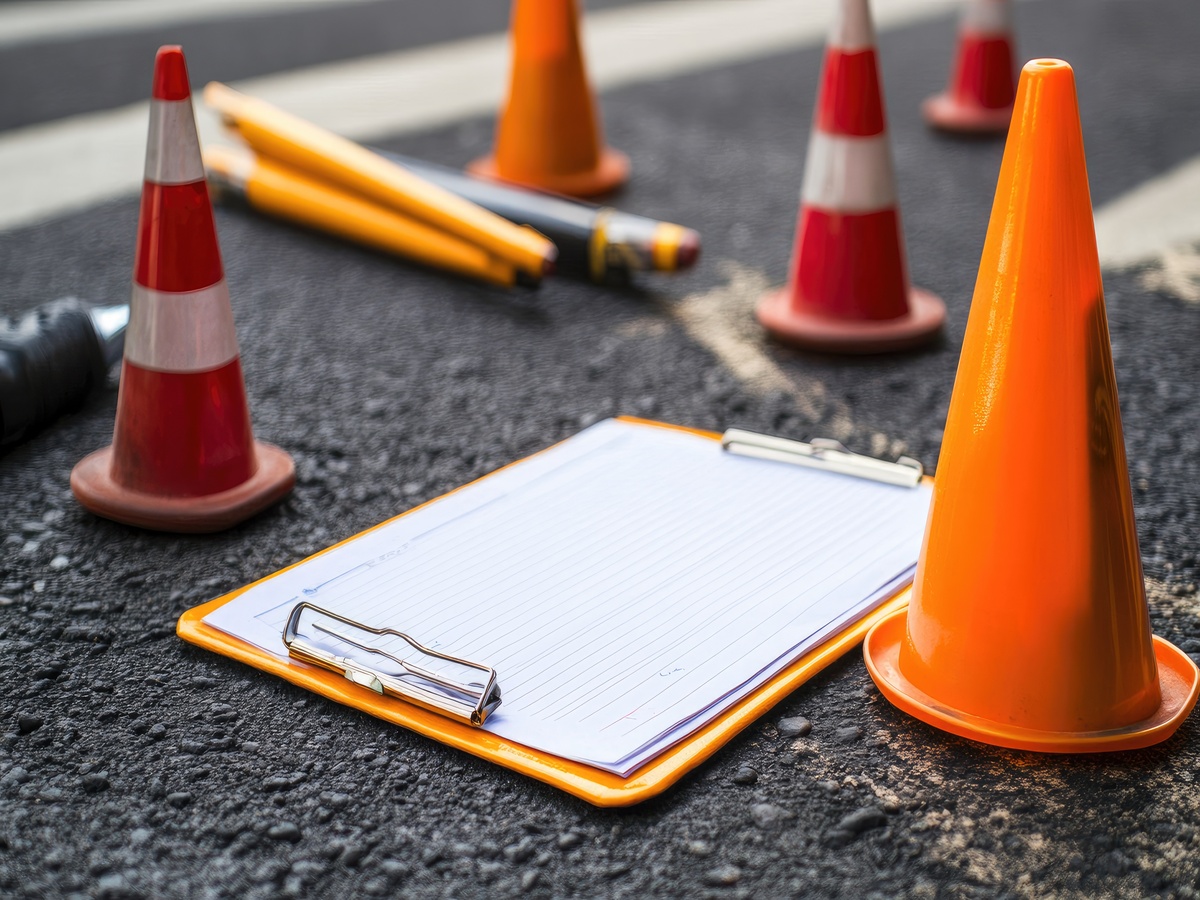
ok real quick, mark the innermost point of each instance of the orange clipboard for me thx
(594, 785)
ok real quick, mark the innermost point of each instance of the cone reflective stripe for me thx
(159, 316)
(183, 456)
(848, 287)
(549, 134)
(1028, 625)
(979, 97)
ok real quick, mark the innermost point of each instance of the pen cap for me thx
(979, 97)
(848, 288)
(1029, 625)
(183, 456)
(549, 134)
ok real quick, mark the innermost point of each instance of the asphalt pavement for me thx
(132, 764)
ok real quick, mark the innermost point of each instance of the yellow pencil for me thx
(279, 191)
(324, 156)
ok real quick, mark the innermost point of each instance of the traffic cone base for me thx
(610, 173)
(1178, 677)
(979, 98)
(94, 486)
(947, 113)
(812, 331)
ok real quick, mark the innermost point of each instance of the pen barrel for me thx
(568, 223)
(50, 360)
(594, 243)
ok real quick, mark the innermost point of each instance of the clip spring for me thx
(823, 453)
(467, 702)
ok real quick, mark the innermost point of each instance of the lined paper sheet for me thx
(628, 585)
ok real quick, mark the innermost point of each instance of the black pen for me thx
(594, 242)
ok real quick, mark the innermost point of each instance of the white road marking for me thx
(722, 320)
(1176, 272)
(25, 23)
(53, 168)
(1153, 221)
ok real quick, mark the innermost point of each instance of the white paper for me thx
(628, 585)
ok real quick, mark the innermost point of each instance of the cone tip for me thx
(170, 74)
(1047, 67)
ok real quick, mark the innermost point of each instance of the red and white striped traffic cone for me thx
(848, 289)
(983, 82)
(183, 456)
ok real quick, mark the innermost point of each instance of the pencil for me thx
(302, 146)
(278, 191)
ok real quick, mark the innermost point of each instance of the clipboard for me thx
(596, 786)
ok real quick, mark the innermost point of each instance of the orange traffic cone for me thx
(549, 135)
(183, 456)
(848, 289)
(979, 97)
(1028, 625)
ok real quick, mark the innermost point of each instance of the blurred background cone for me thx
(848, 289)
(549, 134)
(183, 456)
(979, 97)
(1028, 625)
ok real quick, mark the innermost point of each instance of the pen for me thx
(279, 191)
(51, 358)
(594, 242)
(324, 156)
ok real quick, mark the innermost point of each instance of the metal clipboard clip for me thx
(467, 702)
(823, 453)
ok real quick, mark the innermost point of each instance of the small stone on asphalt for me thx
(376, 887)
(723, 876)
(862, 820)
(521, 851)
(284, 831)
(745, 775)
(768, 815)
(795, 726)
(94, 784)
(15, 775)
(354, 854)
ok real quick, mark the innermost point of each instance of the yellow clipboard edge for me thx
(594, 785)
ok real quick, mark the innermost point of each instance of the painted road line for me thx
(1176, 272)
(1153, 219)
(56, 167)
(26, 23)
(1157, 224)
(722, 320)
